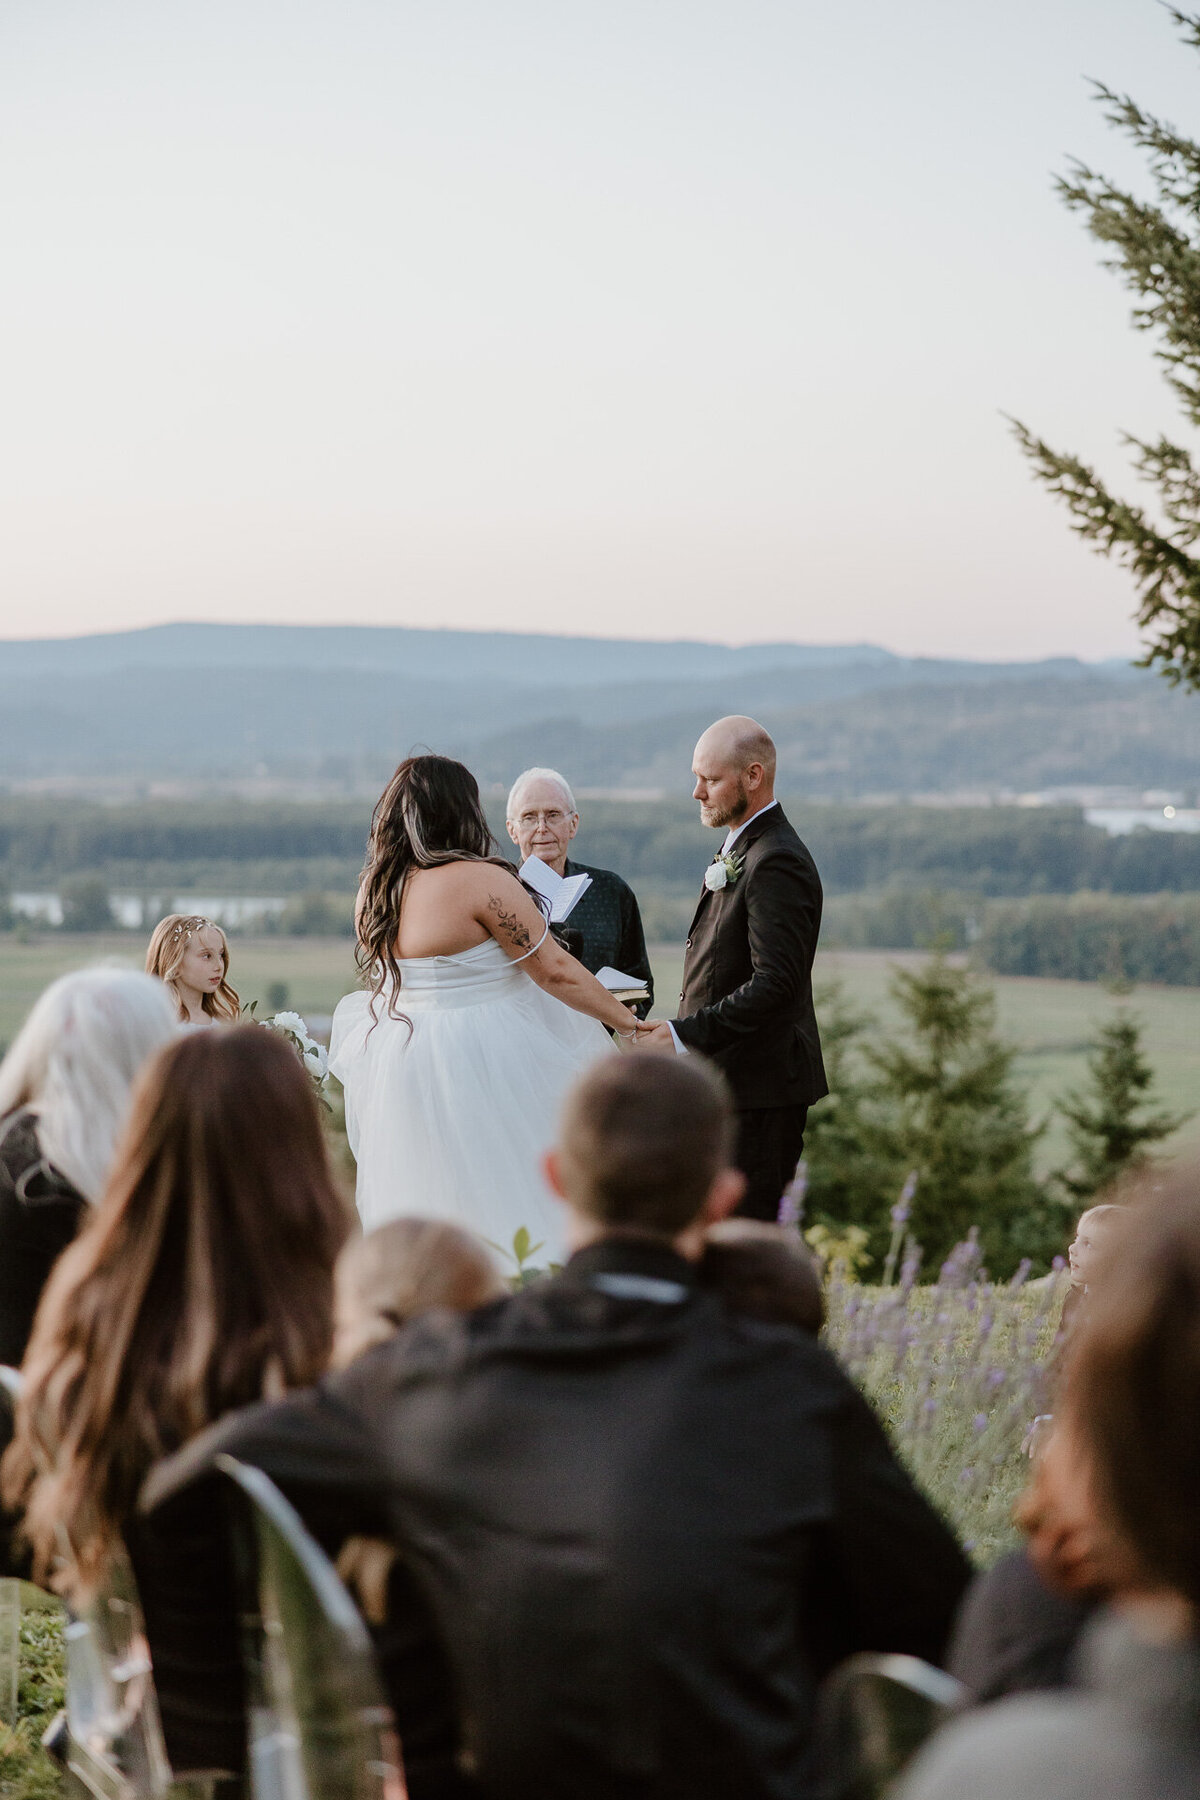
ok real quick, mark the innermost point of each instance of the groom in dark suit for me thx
(747, 970)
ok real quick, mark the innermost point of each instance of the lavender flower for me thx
(791, 1206)
(944, 1364)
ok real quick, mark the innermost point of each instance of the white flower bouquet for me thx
(313, 1056)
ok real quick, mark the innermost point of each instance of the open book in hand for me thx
(625, 987)
(562, 892)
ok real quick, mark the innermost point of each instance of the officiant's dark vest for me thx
(747, 975)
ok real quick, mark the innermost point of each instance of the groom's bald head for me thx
(736, 742)
(734, 766)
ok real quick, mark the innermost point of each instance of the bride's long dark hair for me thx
(428, 814)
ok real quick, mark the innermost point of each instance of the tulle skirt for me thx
(449, 1117)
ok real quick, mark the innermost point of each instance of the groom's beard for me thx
(731, 813)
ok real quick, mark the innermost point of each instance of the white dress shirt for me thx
(731, 839)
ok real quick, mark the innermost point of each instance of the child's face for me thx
(203, 967)
(1083, 1252)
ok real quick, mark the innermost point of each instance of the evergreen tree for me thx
(1156, 246)
(848, 1181)
(943, 1104)
(1110, 1129)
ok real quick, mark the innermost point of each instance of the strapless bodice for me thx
(467, 978)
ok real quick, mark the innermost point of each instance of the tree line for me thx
(287, 847)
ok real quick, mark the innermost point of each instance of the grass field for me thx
(1051, 1023)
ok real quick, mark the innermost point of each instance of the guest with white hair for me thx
(605, 928)
(64, 1094)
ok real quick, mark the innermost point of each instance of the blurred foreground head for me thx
(402, 1269)
(645, 1147)
(202, 1281)
(765, 1271)
(1132, 1399)
(74, 1061)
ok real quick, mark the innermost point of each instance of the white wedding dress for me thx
(450, 1119)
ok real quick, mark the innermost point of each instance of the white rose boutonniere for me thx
(722, 872)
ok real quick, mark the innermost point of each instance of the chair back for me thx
(318, 1725)
(113, 1745)
(873, 1715)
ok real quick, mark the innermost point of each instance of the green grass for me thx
(26, 1772)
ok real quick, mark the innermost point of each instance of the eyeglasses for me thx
(554, 817)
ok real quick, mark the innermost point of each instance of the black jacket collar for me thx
(772, 815)
(632, 1256)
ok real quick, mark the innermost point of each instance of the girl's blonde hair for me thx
(400, 1270)
(168, 947)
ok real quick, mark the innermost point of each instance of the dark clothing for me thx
(609, 928)
(770, 1142)
(747, 999)
(39, 1216)
(644, 1525)
(1014, 1635)
(1128, 1733)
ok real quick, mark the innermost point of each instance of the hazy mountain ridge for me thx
(344, 703)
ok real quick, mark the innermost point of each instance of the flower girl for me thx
(191, 956)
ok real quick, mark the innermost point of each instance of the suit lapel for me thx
(773, 815)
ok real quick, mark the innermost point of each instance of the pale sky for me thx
(630, 317)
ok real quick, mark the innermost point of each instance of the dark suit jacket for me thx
(747, 971)
(644, 1527)
(610, 926)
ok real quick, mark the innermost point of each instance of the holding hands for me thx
(655, 1039)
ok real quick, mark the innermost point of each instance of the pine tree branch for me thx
(1167, 577)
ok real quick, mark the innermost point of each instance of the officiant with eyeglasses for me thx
(604, 927)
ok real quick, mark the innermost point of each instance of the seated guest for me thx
(64, 1094)
(606, 922)
(1084, 1254)
(191, 955)
(400, 1270)
(1125, 1454)
(764, 1270)
(641, 1525)
(202, 1280)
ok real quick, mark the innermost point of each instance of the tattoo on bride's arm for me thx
(510, 924)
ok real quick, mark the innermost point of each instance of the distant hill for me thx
(342, 704)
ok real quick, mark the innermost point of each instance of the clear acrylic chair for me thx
(318, 1726)
(110, 1736)
(873, 1715)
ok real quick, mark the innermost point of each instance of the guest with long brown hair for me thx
(202, 1281)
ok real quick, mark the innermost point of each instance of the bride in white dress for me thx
(476, 1022)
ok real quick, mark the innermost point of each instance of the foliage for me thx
(949, 1110)
(315, 914)
(926, 869)
(1112, 1126)
(26, 1772)
(1156, 246)
(85, 904)
(1094, 937)
(848, 1179)
(934, 1099)
(957, 1371)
